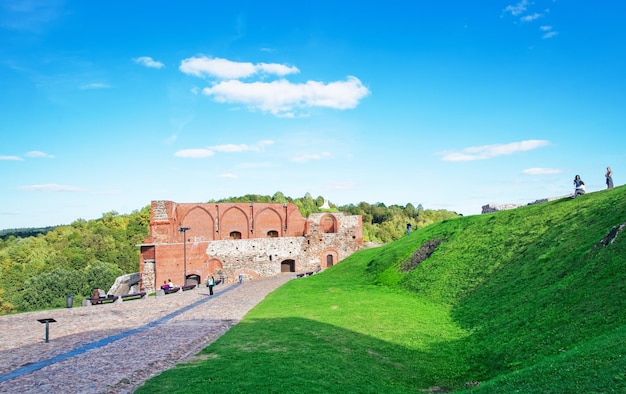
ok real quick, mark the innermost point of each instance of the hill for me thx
(529, 300)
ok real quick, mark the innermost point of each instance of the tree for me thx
(48, 289)
(100, 275)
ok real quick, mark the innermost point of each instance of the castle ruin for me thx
(190, 241)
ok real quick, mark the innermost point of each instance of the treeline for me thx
(381, 224)
(37, 271)
(25, 232)
(39, 266)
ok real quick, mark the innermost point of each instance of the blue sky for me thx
(108, 105)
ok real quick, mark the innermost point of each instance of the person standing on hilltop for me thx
(579, 187)
(609, 178)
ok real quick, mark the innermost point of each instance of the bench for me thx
(103, 300)
(188, 287)
(133, 296)
(300, 275)
(98, 297)
(171, 290)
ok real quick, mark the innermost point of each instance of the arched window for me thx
(235, 235)
(272, 234)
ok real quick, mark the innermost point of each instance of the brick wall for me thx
(268, 237)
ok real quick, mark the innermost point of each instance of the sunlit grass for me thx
(526, 301)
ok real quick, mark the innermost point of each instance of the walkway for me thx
(114, 348)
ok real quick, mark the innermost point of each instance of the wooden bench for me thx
(103, 300)
(300, 275)
(188, 287)
(171, 290)
(133, 296)
(98, 297)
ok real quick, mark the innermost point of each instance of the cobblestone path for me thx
(114, 348)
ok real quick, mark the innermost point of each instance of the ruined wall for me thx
(228, 239)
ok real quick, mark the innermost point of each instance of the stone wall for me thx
(503, 207)
(256, 240)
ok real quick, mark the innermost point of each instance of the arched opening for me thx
(329, 260)
(328, 224)
(192, 280)
(235, 235)
(272, 234)
(288, 266)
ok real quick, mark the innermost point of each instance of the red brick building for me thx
(190, 241)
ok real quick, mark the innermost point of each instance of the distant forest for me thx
(39, 266)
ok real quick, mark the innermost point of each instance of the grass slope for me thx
(527, 300)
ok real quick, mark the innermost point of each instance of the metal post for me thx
(47, 321)
(184, 231)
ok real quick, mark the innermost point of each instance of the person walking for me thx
(210, 283)
(609, 178)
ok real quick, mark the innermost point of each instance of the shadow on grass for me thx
(295, 355)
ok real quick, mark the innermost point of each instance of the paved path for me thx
(114, 348)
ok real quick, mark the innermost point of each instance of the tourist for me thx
(165, 286)
(170, 284)
(579, 187)
(210, 282)
(609, 178)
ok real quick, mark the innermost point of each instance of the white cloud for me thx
(545, 28)
(225, 148)
(194, 153)
(310, 156)
(94, 85)
(226, 69)
(516, 9)
(241, 147)
(14, 158)
(549, 35)
(148, 62)
(38, 154)
(489, 151)
(541, 171)
(282, 97)
(50, 187)
(279, 97)
(530, 18)
(229, 176)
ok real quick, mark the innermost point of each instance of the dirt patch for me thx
(421, 254)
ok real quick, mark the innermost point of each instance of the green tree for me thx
(48, 289)
(100, 275)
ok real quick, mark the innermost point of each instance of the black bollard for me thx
(47, 321)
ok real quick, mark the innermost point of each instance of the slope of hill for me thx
(528, 300)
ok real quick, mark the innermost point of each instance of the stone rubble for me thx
(124, 364)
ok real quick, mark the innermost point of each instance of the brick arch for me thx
(201, 224)
(268, 220)
(215, 267)
(329, 257)
(328, 224)
(234, 219)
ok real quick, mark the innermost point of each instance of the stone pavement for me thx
(114, 348)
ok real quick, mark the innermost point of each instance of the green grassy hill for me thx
(529, 300)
